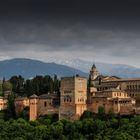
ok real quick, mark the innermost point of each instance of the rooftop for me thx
(122, 80)
(113, 90)
(47, 96)
(93, 66)
(34, 96)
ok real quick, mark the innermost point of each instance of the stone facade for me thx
(113, 100)
(113, 93)
(129, 85)
(43, 105)
(21, 103)
(3, 103)
(73, 97)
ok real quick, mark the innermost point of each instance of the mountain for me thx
(29, 68)
(120, 70)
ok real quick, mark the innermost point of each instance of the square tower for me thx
(73, 97)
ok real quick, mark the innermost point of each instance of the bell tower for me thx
(94, 73)
(92, 82)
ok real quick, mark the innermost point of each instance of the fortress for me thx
(77, 94)
(110, 92)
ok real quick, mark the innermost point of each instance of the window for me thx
(116, 102)
(45, 104)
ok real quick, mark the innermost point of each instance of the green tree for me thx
(7, 86)
(28, 88)
(18, 84)
(86, 115)
(101, 112)
(10, 111)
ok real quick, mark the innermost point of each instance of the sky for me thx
(102, 30)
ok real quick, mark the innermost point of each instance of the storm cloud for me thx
(92, 30)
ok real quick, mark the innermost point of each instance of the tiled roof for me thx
(34, 96)
(47, 96)
(21, 98)
(93, 66)
(123, 79)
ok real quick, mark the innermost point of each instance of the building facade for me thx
(101, 83)
(42, 105)
(73, 97)
(112, 100)
(3, 103)
(20, 104)
(112, 96)
(103, 89)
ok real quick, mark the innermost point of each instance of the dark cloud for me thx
(106, 29)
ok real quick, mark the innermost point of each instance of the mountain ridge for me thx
(120, 70)
(29, 68)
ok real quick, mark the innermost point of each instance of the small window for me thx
(45, 104)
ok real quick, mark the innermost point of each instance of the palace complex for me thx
(77, 95)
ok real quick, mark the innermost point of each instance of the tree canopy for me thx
(38, 85)
(90, 127)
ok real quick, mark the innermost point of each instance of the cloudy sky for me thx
(102, 30)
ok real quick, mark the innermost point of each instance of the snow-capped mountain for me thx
(120, 70)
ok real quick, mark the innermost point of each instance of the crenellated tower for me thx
(73, 97)
(33, 103)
